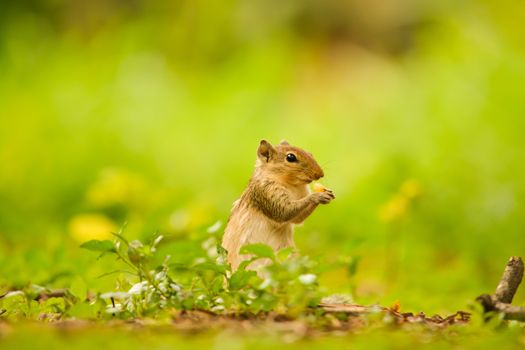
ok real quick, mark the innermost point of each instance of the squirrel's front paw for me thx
(323, 197)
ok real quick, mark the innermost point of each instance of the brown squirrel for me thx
(276, 198)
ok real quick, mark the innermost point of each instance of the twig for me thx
(510, 280)
(460, 317)
(507, 287)
(511, 312)
(59, 293)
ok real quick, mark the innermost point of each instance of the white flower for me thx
(157, 240)
(307, 278)
(215, 227)
(130, 307)
(212, 252)
(160, 276)
(217, 308)
(14, 293)
(266, 283)
(209, 243)
(175, 287)
(138, 288)
(110, 309)
(114, 295)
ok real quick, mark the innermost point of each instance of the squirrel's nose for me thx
(319, 174)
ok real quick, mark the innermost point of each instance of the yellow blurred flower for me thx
(394, 209)
(84, 227)
(118, 186)
(411, 189)
(398, 205)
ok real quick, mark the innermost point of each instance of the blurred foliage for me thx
(152, 285)
(150, 113)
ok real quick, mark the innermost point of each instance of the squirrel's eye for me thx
(290, 157)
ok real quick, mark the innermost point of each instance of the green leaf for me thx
(79, 288)
(99, 246)
(285, 253)
(240, 278)
(82, 310)
(244, 264)
(212, 267)
(353, 265)
(217, 285)
(121, 237)
(116, 271)
(259, 250)
(53, 305)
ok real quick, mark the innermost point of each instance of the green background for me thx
(150, 113)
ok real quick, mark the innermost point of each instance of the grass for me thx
(159, 337)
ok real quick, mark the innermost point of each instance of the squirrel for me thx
(276, 198)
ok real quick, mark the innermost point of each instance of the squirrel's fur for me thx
(276, 198)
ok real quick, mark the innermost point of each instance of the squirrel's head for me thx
(288, 163)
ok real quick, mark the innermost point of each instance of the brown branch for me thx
(59, 293)
(507, 287)
(460, 317)
(510, 280)
(511, 312)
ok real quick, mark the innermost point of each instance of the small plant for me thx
(287, 284)
(158, 277)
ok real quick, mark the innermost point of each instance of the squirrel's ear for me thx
(284, 143)
(265, 150)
